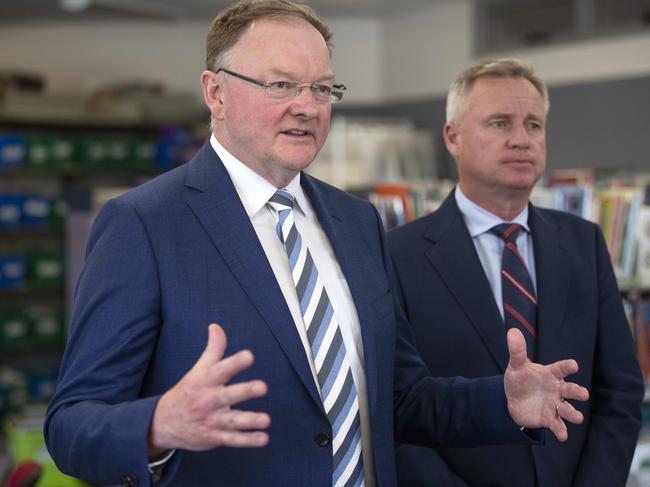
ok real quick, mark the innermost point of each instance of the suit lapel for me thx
(453, 256)
(214, 200)
(552, 268)
(345, 241)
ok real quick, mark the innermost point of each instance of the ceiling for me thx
(51, 10)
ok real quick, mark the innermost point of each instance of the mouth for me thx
(297, 133)
(519, 161)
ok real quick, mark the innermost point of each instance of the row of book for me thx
(28, 210)
(360, 151)
(399, 203)
(31, 327)
(637, 309)
(620, 206)
(34, 268)
(19, 389)
(88, 152)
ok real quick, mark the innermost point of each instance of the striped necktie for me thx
(519, 300)
(338, 392)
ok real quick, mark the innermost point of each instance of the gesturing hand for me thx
(536, 393)
(196, 413)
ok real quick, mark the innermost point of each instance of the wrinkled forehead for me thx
(273, 33)
(507, 95)
(287, 44)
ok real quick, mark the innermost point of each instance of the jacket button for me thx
(322, 439)
(129, 481)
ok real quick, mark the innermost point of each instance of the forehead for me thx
(288, 44)
(504, 94)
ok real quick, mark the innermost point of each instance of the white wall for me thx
(411, 55)
(358, 58)
(426, 48)
(78, 57)
(613, 58)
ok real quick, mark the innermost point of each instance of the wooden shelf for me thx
(36, 292)
(32, 356)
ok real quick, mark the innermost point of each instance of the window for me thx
(513, 24)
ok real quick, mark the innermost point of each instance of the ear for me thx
(211, 84)
(451, 136)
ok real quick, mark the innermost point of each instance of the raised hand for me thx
(196, 413)
(536, 393)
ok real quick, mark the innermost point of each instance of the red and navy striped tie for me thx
(519, 300)
(338, 391)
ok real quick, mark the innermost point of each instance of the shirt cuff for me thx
(156, 467)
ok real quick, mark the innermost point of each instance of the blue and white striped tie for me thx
(338, 392)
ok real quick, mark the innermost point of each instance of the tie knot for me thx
(507, 231)
(282, 200)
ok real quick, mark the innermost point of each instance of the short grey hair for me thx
(500, 68)
(230, 24)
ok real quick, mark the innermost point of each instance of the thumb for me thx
(215, 347)
(517, 348)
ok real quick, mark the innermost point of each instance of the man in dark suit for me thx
(319, 369)
(462, 285)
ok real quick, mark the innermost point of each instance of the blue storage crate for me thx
(35, 209)
(12, 150)
(10, 210)
(13, 271)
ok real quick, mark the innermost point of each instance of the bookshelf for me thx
(58, 164)
(49, 175)
(360, 151)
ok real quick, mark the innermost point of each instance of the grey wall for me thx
(600, 125)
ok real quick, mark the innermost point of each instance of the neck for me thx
(504, 204)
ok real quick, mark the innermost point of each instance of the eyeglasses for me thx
(285, 90)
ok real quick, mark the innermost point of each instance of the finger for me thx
(558, 428)
(241, 439)
(236, 393)
(563, 368)
(235, 420)
(215, 347)
(224, 370)
(570, 390)
(517, 348)
(566, 411)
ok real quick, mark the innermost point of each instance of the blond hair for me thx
(500, 68)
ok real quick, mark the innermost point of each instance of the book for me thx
(643, 249)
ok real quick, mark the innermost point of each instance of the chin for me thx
(522, 181)
(300, 162)
(521, 188)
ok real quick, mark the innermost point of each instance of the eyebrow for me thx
(279, 72)
(528, 116)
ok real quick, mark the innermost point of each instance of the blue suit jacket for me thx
(179, 252)
(459, 331)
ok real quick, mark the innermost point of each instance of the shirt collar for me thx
(479, 220)
(254, 191)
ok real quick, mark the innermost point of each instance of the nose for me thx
(519, 137)
(304, 104)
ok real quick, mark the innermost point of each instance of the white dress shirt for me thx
(490, 246)
(254, 192)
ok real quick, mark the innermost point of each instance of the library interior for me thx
(100, 96)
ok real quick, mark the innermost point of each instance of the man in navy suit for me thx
(455, 294)
(305, 391)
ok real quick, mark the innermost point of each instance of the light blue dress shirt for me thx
(489, 246)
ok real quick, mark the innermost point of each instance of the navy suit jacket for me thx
(179, 252)
(459, 331)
